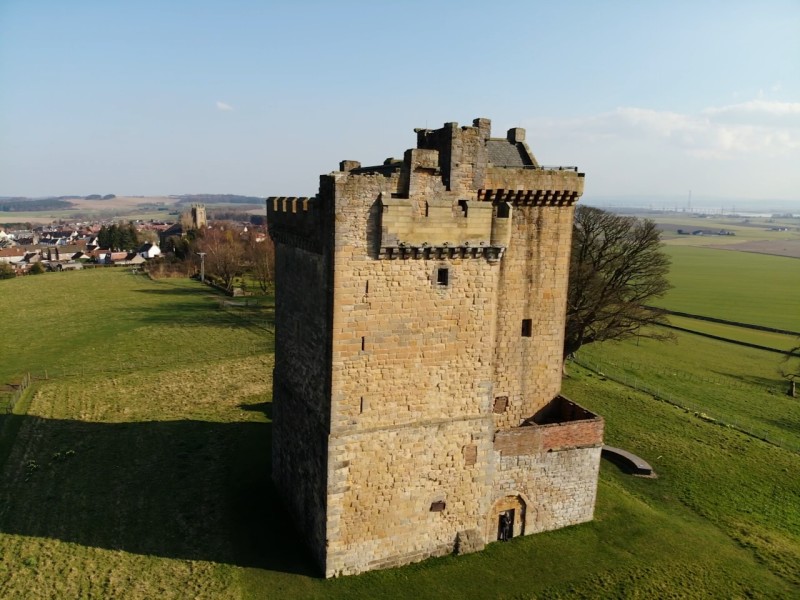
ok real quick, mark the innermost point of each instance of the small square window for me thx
(500, 404)
(442, 275)
(527, 327)
(470, 454)
(438, 506)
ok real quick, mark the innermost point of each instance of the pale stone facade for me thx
(419, 328)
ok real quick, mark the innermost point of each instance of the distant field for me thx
(754, 234)
(767, 339)
(123, 207)
(735, 286)
(141, 470)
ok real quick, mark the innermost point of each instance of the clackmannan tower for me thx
(419, 330)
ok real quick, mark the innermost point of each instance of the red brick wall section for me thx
(533, 439)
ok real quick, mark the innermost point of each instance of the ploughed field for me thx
(140, 467)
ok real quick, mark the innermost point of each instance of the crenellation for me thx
(411, 297)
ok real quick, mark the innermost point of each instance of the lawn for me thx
(75, 323)
(146, 474)
(736, 286)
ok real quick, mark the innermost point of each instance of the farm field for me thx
(736, 286)
(146, 473)
(768, 339)
(122, 207)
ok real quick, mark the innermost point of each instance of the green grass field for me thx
(736, 286)
(141, 469)
(768, 339)
(736, 385)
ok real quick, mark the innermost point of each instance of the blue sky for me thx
(147, 98)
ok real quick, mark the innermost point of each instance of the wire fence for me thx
(662, 393)
(18, 393)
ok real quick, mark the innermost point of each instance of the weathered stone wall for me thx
(384, 486)
(411, 393)
(533, 285)
(441, 224)
(405, 348)
(561, 486)
(301, 407)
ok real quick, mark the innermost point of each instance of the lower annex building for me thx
(419, 329)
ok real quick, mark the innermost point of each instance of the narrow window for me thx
(470, 454)
(527, 327)
(363, 343)
(366, 287)
(442, 276)
(426, 209)
(463, 205)
(361, 406)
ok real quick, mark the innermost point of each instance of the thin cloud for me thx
(757, 127)
(759, 106)
(223, 105)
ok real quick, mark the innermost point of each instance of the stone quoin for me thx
(420, 310)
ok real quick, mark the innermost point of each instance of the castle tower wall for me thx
(420, 323)
(301, 378)
(410, 384)
(532, 288)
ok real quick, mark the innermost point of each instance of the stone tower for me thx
(199, 216)
(419, 330)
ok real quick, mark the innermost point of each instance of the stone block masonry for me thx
(419, 325)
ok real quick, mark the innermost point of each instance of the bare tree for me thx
(224, 254)
(261, 256)
(617, 267)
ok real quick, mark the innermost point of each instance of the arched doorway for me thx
(506, 519)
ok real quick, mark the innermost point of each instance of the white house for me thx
(149, 250)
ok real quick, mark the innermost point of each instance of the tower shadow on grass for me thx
(176, 489)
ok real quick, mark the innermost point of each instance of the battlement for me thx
(439, 228)
(290, 204)
(295, 221)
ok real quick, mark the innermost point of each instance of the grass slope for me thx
(81, 322)
(733, 384)
(153, 481)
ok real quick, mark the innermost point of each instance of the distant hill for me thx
(28, 205)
